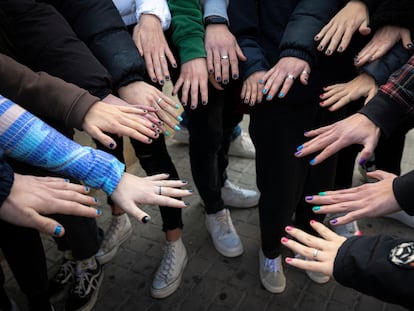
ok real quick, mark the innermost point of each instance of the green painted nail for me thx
(323, 193)
(316, 208)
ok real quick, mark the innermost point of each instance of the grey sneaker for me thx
(271, 273)
(169, 274)
(234, 196)
(242, 147)
(118, 232)
(59, 284)
(225, 238)
(317, 277)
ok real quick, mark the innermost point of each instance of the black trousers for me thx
(210, 128)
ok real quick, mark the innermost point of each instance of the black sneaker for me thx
(84, 292)
(59, 284)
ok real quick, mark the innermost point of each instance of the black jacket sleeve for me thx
(6, 178)
(396, 13)
(371, 265)
(99, 25)
(403, 191)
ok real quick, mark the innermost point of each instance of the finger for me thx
(346, 38)
(364, 29)
(134, 211)
(347, 218)
(240, 53)
(45, 224)
(158, 68)
(217, 65)
(406, 40)
(306, 239)
(210, 64)
(323, 44)
(225, 65)
(380, 175)
(150, 66)
(298, 248)
(323, 231)
(171, 58)
(100, 136)
(319, 36)
(365, 154)
(76, 209)
(164, 67)
(304, 76)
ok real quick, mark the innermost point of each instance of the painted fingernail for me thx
(410, 46)
(174, 65)
(67, 180)
(161, 82)
(333, 221)
(179, 118)
(186, 204)
(193, 107)
(218, 79)
(312, 222)
(316, 208)
(98, 212)
(309, 198)
(177, 106)
(210, 71)
(298, 153)
(320, 47)
(57, 231)
(312, 162)
(358, 233)
(204, 102)
(285, 240)
(281, 95)
(87, 188)
(322, 103)
(264, 91)
(167, 133)
(149, 140)
(340, 49)
(328, 52)
(288, 259)
(95, 199)
(177, 128)
(225, 81)
(261, 81)
(235, 76)
(269, 97)
(154, 79)
(145, 219)
(111, 145)
(299, 147)
(167, 78)
(289, 228)
(361, 161)
(322, 193)
(183, 103)
(316, 38)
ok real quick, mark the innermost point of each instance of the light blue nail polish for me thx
(95, 200)
(86, 188)
(177, 128)
(261, 81)
(167, 134)
(281, 94)
(269, 97)
(299, 148)
(312, 162)
(67, 180)
(316, 208)
(264, 91)
(177, 106)
(323, 193)
(98, 212)
(179, 118)
(58, 230)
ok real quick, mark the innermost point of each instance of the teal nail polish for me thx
(177, 128)
(269, 97)
(264, 91)
(261, 81)
(58, 230)
(177, 106)
(179, 118)
(167, 134)
(316, 208)
(281, 94)
(323, 193)
(312, 162)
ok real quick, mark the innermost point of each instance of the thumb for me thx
(364, 28)
(47, 225)
(380, 175)
(365, 155)
(406, 39)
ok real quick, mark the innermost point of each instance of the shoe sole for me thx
(274, 290)
(112, 253)
(170, 289)
(316, 279)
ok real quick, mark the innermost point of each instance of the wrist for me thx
(215, 20)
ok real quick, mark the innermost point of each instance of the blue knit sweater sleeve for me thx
(28, 139)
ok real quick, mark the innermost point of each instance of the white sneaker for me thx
(242, 147)
(118, 232)
(169, 274)
(402, 217)
(271, 273)
(234, 196)
(348, 230)
(182, 136)
(317, 277)
(225, 238)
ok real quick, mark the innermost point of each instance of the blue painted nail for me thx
(177, 106)
(98, 212)
(309, 198)
(179, 118)
(177, 128)
(235, 76)
(322, 194)
(269, 97)
(95, 200)
(167, 133)
(312, 162)
(57, 231)
(67, 180)
(86, 188)
(261, 81)
(264, 91)
(299, 148)
(281, 94)
(316, 208)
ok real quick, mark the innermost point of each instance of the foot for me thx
(168, 277)
(86, 287)
(271, 273)
(64, 277)
(118, 232)
(225, 238)
(234, 196)
(242, 147)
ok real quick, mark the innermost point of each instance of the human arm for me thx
(28, 139)
(378, 265)
(188, 35)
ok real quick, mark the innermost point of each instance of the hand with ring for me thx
(322, 249)
(280, 78)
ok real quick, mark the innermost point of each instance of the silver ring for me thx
(159, 190)
(159, 100)
(306, 72)
(291, 77)
(224, 57)
(315, 252)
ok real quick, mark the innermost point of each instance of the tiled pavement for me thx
(212, 282)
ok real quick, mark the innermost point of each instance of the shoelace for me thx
(65, 269)
(83, 279)
(224, 224)
(167, 261)
(271, 265)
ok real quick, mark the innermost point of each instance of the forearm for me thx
(159, 8)
(28, 139)
(363, 263)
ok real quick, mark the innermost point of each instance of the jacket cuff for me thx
(158, 8)
(402, 187)
(6, 179)
(215, 7)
